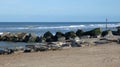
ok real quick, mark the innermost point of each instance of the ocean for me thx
(39, 28)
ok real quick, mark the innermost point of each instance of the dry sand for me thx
(107, 55)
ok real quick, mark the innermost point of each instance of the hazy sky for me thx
(59, 10)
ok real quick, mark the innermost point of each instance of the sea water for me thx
(39, 28)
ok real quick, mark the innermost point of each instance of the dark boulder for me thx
(79, 33)
(118, 30)
(70, 34)
(106, 32)
(58, 36)
(48, 36)
(95, 32)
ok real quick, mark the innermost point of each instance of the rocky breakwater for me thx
(48, 41)
(18, 37)
(48, 36)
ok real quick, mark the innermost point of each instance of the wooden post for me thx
(106, 23)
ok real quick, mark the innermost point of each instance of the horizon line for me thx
(57, 21)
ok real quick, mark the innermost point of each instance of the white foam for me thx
(60, 27)
(1, 33)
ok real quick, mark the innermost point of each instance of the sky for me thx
(59, 10)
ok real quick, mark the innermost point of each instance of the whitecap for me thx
(1, 33)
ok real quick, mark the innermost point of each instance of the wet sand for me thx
(105, 55)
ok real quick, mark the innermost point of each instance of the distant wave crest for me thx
(60, 27)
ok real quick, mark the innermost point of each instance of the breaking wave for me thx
(59, 27)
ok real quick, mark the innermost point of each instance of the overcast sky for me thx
(59, 10)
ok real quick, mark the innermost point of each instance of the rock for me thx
(56, 43)
(21, 37)
(8, 37)
(85, 44)
(54, 46)
(97, 36)
(4, 36)
(33, 38)
(61, 39)
(102, 42)
(10, 51)
(12, 37)
(79, 33)
(29, 48)
(66, 45)
(6, 51)
(75, 44)
(118, 40)
(94, 32)
(76, 39)
(42, 39)
(49, 40)
(2, 52)
(85, 37)
(70, 34)
(118, 30)
(108, 34)
(58, 35)
(43, 48)
(48, 36)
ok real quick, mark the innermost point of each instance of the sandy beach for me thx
(105, 55)
(59, 33)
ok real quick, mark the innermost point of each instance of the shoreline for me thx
(58, 41)
(73, 52)
(106, 55)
